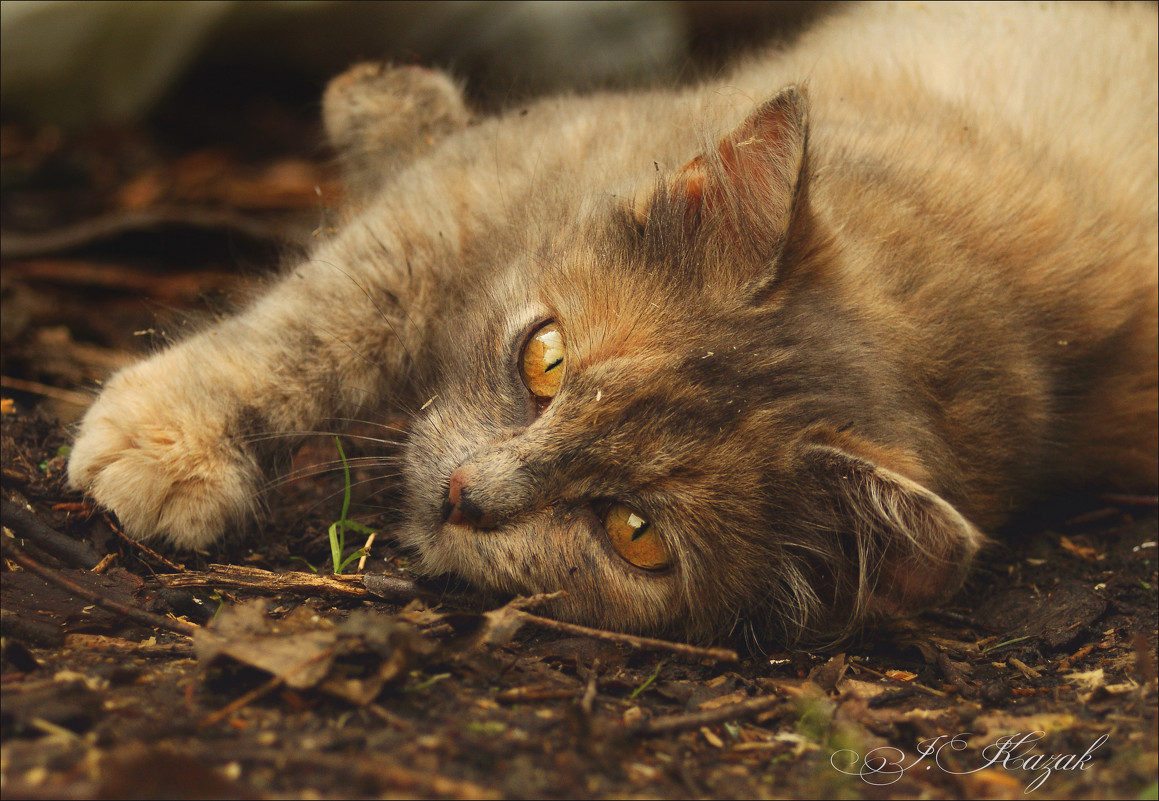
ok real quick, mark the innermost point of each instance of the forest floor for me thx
(240, 672)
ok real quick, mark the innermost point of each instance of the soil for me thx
(1040, 676)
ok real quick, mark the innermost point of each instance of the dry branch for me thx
(694, 720)
(12, 551)
(24, 524)
(642, 643)
(240, 577)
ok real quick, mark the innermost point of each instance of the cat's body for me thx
(908, 294)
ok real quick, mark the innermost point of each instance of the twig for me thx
(142, 546)
(100, 642)
(36, 388)
(711, 717)
(263, 689)
(589, 696)
(24, 524)
(103, 565)
(238, 577)
(1023, 668)
(642, 643)
(12, 551)
(880, 675)
(538, 693)
(955, 676)
(105, 275)
(1130, 500)
(396, 587)
(30, 631)
(16, 245)
(366, 551)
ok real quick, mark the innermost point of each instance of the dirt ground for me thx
(241, 673)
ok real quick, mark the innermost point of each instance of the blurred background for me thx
(157, 159)
(78, 62)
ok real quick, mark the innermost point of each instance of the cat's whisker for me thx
(374, 423)
(332, 497)
(270, 436)
(336, 467)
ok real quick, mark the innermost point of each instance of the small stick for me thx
(385, 585)
(517, 694)
(880, 675)
(243, 577)
(366, 551)
(1130, 500)
(1023, 668)
(103, 565)
(24, 524)
(84, 509)
(258, 692)
(694, 720)
(30, 631)
(642, 643)
(16, 245)
(589, 696)
(44, 390)
(99, 642)
(12, 551)
(955, 676)
(141, 546)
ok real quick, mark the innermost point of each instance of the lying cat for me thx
(772, 351)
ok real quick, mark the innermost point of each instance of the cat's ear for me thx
(742, 190)
(905, 548)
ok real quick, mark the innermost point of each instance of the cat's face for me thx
(635, 413)
(590, 432)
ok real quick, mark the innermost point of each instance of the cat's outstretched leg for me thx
(181, 444)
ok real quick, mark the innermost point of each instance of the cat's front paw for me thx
(380, 118)
(158, 452)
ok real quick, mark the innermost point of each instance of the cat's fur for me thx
(828, 319)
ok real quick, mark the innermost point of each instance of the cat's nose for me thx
(460, 508)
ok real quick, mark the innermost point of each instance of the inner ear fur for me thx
(741, 193)
(901, 546)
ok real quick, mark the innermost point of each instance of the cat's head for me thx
(661, 412)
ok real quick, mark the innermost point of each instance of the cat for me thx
(774, 353)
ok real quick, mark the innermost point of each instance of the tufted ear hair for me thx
(901, 547)
(740, 193)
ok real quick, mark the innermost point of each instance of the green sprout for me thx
(339, 527)
(1004, 644)
(648, 682)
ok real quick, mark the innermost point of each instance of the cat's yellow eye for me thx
(634, 538)
(543, 361)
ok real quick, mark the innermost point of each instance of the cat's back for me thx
(989, 172)
(1079, 80)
